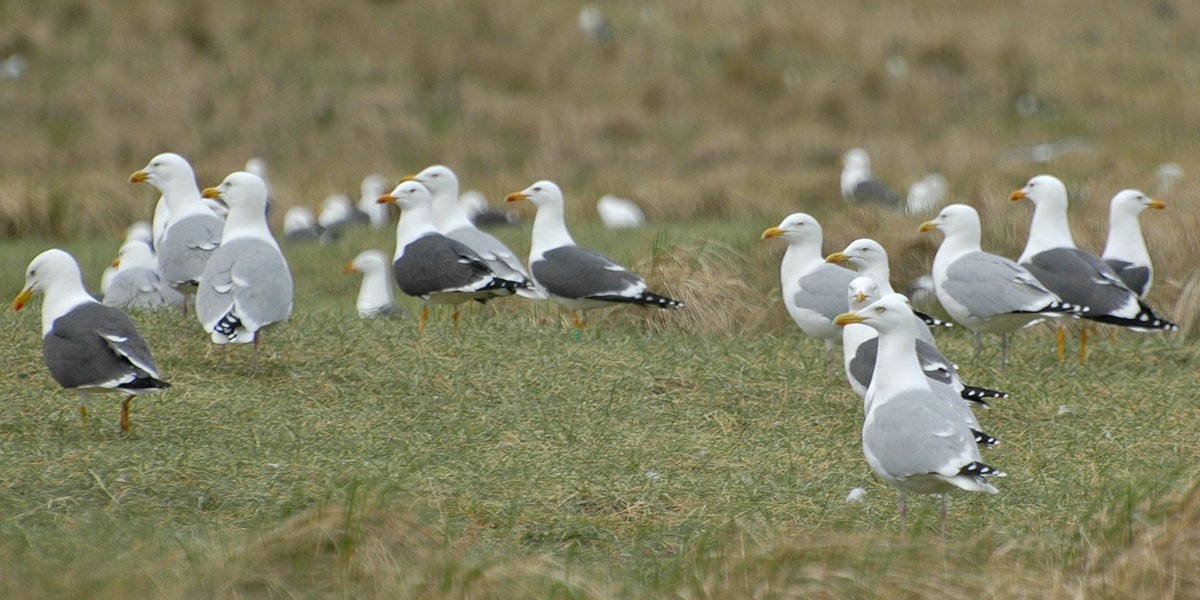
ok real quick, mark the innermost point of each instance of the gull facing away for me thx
(984, 292)
(88, 347)
(452, 220)
(1077, 276)
(576, 277)
(375, 297)
(433, 267)
(814, 291)
(857, 183)
(191, 232)
(247, 285)
(1125, 251)
(912, 439)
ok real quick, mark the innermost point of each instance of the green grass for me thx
(516, 459)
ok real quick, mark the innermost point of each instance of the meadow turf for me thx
(518, 459)
(698, 453)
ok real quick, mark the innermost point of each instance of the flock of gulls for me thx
(212, 249)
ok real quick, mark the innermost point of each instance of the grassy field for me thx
(700, 453)
(518, 460)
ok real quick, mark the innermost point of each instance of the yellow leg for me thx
(83, 416)
(1083, 336)
(125, 414)
(1062, 340)
(579, 321)
(424, 317)
(454, 318)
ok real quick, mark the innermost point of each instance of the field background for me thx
(701, 453)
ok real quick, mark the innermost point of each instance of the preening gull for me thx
(870, 259)
(88, 347)
(433, 267)
(247, 285)
(191, 231)
(814, 291)
(912, 439)
(575, 277)
(857, 183)
(375, 297)
(372, 187)
(452, 221)
(984, 292)
(860, 347)
(137, 283)
(1076, 276)
(1125, 252)
(619, 213)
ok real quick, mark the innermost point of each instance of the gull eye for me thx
(880, 310)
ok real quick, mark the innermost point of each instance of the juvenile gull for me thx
(814, 291)
(912, 439)
(246, 285)
(857, 183)
(88, 347)
(191, 231)
(984, 292)
(375, 297)
(1125, 252)
(452, 221)
(137, 283)
(433, 267)
(860, 347)
(576, 277)
(1076, 276)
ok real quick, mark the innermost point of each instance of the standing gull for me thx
(860, 348)
(1125, 252)
(912, 439)
(88, 347)
(1074, 275)
(375, 297)
(871, 260)
(814, 291)
(452, 221)
(246, 285)
(984, 292)
(372, 187)
(433, 267)
(191, 231)
(576, 277)
(137, 283)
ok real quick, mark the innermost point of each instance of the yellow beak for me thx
(386, 199)
(22, 299)
(848, 318)
(1159, 204)
(348, 268)
(836, 257)
(1017, 195)
(515, 197)
(211, 193)
(771, 232)
(860, 297)
(927, 226)
(138, 177)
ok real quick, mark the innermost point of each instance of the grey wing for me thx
(916, 434)
(435, 263)
(1080, 278)
(989, 285)
(871, 190)
(498, 257)
(1134, 276)
(142, 289)
(574, 272)
(250, 278)
(935, 365)
(824, 290)
(862, 366)
(96, 345)
(186, 246)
